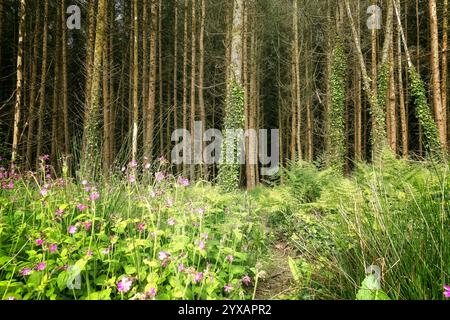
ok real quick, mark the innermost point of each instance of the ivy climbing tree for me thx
(337, 110)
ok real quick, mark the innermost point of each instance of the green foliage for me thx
(395, 216)
(337, 147)
(370, 290)
(425, 115)
(123, 234)
(229, 173)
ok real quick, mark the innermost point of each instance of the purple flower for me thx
(230, 258)
(39, 242)
(201, 245)
(228, 288)
(163, 255)
(147, 166)
(447, 291)
(105, 251)
(160, 176)
(53, 248)
(141, 227)
(25, 272)
(133, 164)
(44, 157)
(132, 179)
(183, 181)
(171, 222)
(44, 192)
(40, 266)
(11, 185)
(94, 196)
(59, 212)
(205, 236)
(246, 280)
(180, 267)
(124, 285)
(89, 253)
(152, 292)
(198, 277)
(81, 207)
(72, 229)
(169, 203)
(87, 225)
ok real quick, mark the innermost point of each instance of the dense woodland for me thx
(137, 70)
(91, 92)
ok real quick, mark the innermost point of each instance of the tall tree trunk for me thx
(392, 103)
(160, 78)
(148, 142)
(201, 71)
(185, 93)
(89, 56)
(436, 74)
(134, 148)
(297, 80)
(145, 69)
(358, 104)
(445, 108)
(229, 173)
(378, 115)
(175, 73)
(65, 98)
(19, 82)
(402, 104)
(193, 84)
(41, 109)
(34, 68)
(91, 130)
(107, 162)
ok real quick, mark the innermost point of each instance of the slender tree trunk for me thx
(145, 69)
(65, 98)
(201, 71)
(160, 78)
(185, 62)
(175, 73)
(392, 103)
(151, 108)
(403, 111)
(19, 82)
(418, 69)
(89, 56)
(445, 71)
(33, 91)
(135, 81)
(374, 64)
(106, 105)
(297, 80)
(193, 83)
(91, 131)
(436, 75)
(41, 109)
(112, 98)
(358, 104)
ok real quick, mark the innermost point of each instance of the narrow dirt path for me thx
(277, 283)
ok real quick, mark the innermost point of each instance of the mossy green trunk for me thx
(336, 157)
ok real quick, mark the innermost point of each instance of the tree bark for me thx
(148, 141)
(91, 131)
(41, 109)
(19, 82)
(436, 74)
(33, 91)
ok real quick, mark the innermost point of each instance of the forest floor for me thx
(278, 281)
